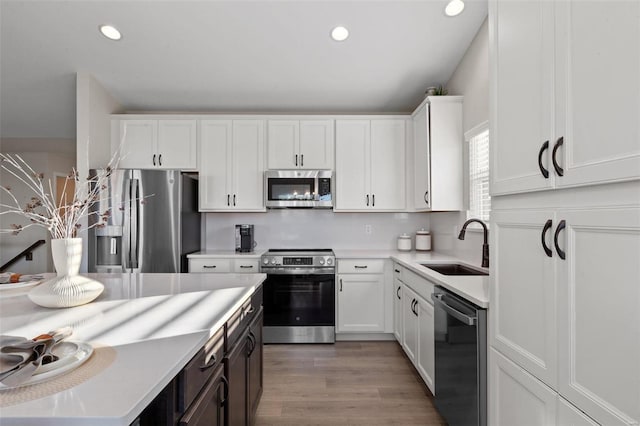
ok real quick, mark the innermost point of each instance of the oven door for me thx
(299, 308)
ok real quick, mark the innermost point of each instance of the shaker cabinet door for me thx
(215, 164)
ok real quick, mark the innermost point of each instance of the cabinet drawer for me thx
(361, 266)
(207, 409)
(398, 271)
(210, 265)
(242, 266)
(420, 285)
(195, 374)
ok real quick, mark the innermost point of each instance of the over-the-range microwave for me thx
(298, 188)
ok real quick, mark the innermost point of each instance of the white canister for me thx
(423, 240)
(404, 242)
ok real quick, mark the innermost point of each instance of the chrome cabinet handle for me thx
(559, 143)
(437, 300)
(154, 159)
(560, 227)
(545, 229)
(543, 148)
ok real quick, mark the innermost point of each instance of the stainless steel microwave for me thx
(298, 188)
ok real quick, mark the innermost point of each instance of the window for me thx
(479, 198)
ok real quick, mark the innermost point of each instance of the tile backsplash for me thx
(300, 228)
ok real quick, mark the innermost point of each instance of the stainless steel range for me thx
(299, 296)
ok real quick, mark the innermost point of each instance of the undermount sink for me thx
(453, 269)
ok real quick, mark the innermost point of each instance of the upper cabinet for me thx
(232, 165)
(300, 144)
(155, 144)
(438, 139)
(551, 126)
(370, 165)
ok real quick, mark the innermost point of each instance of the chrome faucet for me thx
(485, 245)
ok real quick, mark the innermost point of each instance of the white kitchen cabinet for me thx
(417, 316)
(238, 265)
(599, 312)
(361, 303)
(397, 304)
(523, 315)
(568, 415)
(549, 128)
(438, 143)
(516, 397)
(156, 144)
(300, 144)
(425, 363)
(232, 165)
(370, 165)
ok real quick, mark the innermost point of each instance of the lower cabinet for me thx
(209, 408)
(415, 311)
(397, 308)
(239, 265)
(518, 398)
(243, 367)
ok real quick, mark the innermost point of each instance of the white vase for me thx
(67, 288)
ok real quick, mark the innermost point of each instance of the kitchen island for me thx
(155, 324)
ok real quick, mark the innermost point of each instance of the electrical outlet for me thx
(368, 230)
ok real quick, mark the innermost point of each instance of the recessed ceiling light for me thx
(455, 7)
(339, 33)
(110, 32)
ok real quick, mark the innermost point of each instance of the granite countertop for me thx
(474, 288)
(155, 323)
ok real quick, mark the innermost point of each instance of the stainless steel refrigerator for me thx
(152, 225)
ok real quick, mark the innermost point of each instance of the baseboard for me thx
(345, 337)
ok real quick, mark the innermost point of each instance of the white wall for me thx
(10, 245)
(94, 106)
(300, 228)
(471, 80)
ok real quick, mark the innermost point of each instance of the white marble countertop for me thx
(225, 254)
(474, 288)
(155, 322)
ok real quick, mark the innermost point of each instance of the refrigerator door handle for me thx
(135, 218)
(126, 232)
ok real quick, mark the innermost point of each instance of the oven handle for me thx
(437, 299)
(298, 271)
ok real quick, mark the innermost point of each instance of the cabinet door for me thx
(426, 356)
(388, 165)
(361, 303)
(255, 364)
(523, 291)
(316, 144)
(248, 165)
(236, 372)
(283, 144)
(521, 94)
(516, 397)
(421, 159)
(353, 165)
(208, 409)
(215, 164)
(177, 144)
(568, 415)
(600, 128)
(397, 309)
(599, 313)
(138, 140)
(409, 324)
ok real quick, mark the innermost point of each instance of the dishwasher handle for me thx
(437, 299)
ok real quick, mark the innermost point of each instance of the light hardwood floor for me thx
(349, 383)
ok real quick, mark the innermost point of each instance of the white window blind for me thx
(479, 198)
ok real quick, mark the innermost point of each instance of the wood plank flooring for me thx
(349, 383)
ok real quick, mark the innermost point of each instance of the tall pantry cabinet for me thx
(565, 229)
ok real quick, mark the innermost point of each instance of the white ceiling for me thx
(231, 56)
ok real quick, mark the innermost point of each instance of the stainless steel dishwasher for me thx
(460, 333)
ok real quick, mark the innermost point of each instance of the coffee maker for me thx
(244, 238)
